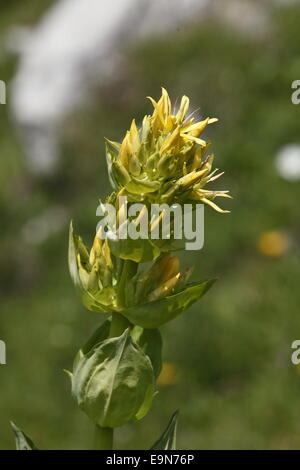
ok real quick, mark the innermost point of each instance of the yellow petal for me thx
(190, 179)
(134, 137)
(171, 141)
(194, 139)
(197, 159)
(214, 206)
(152, 101)
(164, 289)
(106, 254)
(125, 150)
(146, 127)
(184, 106)
(166, 102)
(170, 269)
(197, 128)
(157, 221)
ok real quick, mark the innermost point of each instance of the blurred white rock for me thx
(288, 162)
(80, 42)
(44, 225)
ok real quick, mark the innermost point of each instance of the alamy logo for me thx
(296, 94)
(159, 221)
(295, 358)
(2, 352)
(2, 92)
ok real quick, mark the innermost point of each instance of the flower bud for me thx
(164, 164)
(114, 382)
(190, 179)
(184, 106)
(120, 173)
(134, 138)
(93, 282)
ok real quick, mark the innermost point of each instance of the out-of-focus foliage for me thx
(237, 387)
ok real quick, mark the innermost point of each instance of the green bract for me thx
(151, 343)
(23, 442)
(114, 382)
(154, 314)
(149, 340)
(167, 441)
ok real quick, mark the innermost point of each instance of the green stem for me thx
(118, 325)
(104, 438)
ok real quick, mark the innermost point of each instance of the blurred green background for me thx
(228, 358)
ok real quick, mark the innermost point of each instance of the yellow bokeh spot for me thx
(273, 243)
(170, 375)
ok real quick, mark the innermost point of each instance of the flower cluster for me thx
(166, 159)
(110, 284)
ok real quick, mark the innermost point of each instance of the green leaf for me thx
(168, 439)
(72, 257)
(156, 313)
(23, 442)
(79, 274)
(149, 395)
(112, 382)
(150, 341)
(110, 158)
(100, 302)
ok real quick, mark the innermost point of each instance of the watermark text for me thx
(296, 94)
(158, 221)
(2, 92)
(2, 353)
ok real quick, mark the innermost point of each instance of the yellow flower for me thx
(273, 243)
(161, 279)
(165, 160)
(170, 375)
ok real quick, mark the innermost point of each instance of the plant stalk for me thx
(118, 324)
(103, 438)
